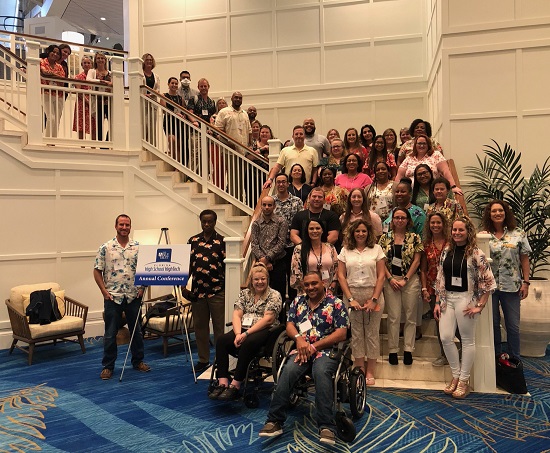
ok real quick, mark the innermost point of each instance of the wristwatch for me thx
(480, 305)
(351, 299)
(375, 300)
(297, 335)
(406, 278)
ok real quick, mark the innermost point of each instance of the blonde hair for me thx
(257, 267)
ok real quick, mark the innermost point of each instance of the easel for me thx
(177, 291)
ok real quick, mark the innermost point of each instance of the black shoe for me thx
(407, 358)
(216, 392)
(201, 366)
(393, 358)
(418, 336)
(229, 394)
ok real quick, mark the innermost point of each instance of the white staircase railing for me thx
(13, 86)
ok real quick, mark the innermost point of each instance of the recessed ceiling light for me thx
(107, 38)
(102, 18)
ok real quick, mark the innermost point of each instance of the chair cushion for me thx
(17, 292)
(66, 324)
(158, 323)
(59, 295)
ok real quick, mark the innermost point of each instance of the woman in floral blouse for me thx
(380, 192)
(509, 250)
(256, 310)
(451, 209)
(462, 288)
(402, 288)
(314, 255)
(436, 238)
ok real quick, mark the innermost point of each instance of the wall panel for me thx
(291, 29)
(534, 88)
(159, 38)
(205, 36)
(299, 67)
(252, 71)
(468, 12)
(251, 32)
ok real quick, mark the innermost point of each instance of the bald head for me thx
(268, 206)
(309, 126)
(237, 100)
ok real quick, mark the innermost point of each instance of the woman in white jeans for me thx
(463, 285)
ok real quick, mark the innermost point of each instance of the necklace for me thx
(318, 258)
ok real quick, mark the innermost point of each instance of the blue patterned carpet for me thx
(59, 404)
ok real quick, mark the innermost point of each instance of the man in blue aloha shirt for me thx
(317, 321)
(114, 272)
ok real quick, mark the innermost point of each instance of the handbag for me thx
(509, 372)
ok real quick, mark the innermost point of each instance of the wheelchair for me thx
(349, 386)
(265, 364)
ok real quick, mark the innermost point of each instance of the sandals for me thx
(462, 390)
(451, 387)
(370, 381)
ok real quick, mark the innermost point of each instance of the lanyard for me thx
(453, 264)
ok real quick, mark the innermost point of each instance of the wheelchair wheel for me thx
(251, 401)
(357, 392)
(345, 427)
(281, 348)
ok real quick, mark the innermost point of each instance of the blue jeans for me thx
(323, 370)
(510, 304)
(113, 321)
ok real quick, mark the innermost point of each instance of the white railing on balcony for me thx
(202, 153)
(13, 85)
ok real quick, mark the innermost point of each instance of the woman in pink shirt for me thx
(351, 177)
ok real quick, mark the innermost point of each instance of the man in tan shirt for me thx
(234, 121)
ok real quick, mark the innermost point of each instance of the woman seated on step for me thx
(256, 310)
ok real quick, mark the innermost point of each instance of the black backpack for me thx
(43, 307)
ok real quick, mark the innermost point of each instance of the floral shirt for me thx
(390, 161)
(331, 314)
(433, 256)
(381, 200)
(270, 302)
(331, 162)
(505, 253)
(268, 238)
(411, 162)
(418, 217)
(206, 265)
(118, 266)
(56, 71)
(336, 197)
(451, 209)
(411, 245)
(480, 277)
(288, 209)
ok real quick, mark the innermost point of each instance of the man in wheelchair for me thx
(317, 321)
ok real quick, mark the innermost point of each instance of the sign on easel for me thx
(163, 264)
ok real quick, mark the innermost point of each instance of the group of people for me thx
(356, 224)
(90, 111)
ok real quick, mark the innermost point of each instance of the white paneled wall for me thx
(345, 63)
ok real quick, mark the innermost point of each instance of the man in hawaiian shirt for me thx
(207, 295)
(317, 321)
(114, 272)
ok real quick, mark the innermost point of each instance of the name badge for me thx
(204, 112)
(385, 227)
(397, 262)
(247, 320)
(305, 326)
(456, 281)
(326, 206)
(426, 206)
(325, 275)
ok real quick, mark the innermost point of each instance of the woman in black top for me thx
(173, 128)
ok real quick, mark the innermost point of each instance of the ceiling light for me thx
(102, 18)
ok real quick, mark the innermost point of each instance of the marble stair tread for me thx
(427, 346)
(421, 370)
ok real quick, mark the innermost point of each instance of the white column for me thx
(483, 377)
(274, 151)
(35, 117)
(134, 104)
(118, 121)
(233, 274)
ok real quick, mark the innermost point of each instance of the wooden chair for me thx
(72, 324)
(169, 325)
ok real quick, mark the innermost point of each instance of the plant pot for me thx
(534, 323)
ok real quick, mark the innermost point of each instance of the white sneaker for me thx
(440, 361)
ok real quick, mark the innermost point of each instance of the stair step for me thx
(421, 370)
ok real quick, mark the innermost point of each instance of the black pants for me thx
(292, 293)
(247, 351)
(101, 114)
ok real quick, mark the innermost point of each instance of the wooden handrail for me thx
(459, 198)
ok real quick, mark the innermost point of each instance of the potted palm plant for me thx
(500, 176)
